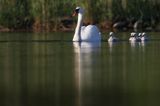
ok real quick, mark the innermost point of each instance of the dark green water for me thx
(38, 69)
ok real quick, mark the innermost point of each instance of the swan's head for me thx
(111, 34)
(78, 10)
(140, 34)
(143, 34)
(133, 34)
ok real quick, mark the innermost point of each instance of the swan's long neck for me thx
(77, 35)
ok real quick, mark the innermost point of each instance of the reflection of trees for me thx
(129, 72)
(34, 72)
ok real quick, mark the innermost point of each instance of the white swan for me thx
(144, 37)
(134, 37)
(82, 33)
(112, 37)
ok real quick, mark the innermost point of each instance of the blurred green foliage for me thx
(24, 14)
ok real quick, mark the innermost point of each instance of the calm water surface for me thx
(39, 69)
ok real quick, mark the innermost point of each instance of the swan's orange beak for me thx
(74, 13)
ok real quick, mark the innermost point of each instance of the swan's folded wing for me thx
(90, 33)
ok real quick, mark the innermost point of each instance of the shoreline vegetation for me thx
(55, 15)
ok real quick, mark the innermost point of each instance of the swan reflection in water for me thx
(110, 45)
(86, 54)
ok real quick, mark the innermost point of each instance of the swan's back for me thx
(90, 33)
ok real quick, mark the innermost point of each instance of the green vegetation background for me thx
(50, 14)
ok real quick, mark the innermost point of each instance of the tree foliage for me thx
(24, 14)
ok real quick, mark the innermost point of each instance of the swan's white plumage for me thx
(112, 37)
(88, 33)
(144, 37)
(134, 37)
